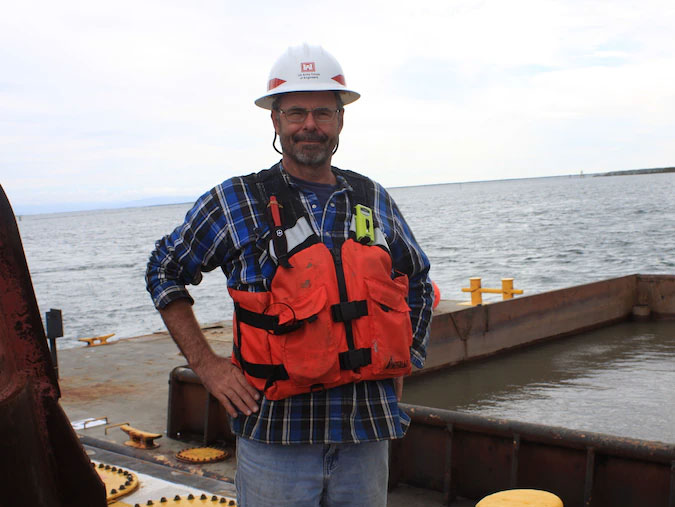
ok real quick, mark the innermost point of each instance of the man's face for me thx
(309, 143)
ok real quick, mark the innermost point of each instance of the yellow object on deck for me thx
(507, 291)
(139, 439)
(521, 498)
(97, 340)
(118, 482)
(192, 501)
(202, 455)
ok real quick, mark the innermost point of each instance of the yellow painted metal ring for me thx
(202, 455)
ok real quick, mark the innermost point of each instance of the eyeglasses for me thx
(299, 115)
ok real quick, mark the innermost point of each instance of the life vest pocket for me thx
(389, 328)
(310, 352)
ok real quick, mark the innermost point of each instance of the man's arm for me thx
(220, 377)
(179, 259)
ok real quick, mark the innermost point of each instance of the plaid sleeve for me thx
(198, 245)
(408, 258)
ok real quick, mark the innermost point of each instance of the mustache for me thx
(310, 136)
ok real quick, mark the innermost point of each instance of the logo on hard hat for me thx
(307, 67)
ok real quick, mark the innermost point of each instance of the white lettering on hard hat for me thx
(307, 67)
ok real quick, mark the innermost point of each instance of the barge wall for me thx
(485, 330)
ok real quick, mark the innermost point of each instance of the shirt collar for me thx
(341, 180)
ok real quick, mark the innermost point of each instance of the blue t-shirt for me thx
(323, 191)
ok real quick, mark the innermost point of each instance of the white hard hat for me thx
(306, 69)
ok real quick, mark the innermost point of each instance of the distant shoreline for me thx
(630, 172)
(187, 200)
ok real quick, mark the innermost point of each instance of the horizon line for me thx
(137, 203)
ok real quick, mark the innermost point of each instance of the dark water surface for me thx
(618, 380)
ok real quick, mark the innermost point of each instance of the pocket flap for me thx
(300, 308)
(391, 295)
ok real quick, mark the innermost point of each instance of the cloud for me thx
(120, 99)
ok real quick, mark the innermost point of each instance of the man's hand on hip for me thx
(227, 383)
(220, 377)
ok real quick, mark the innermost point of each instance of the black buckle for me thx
(354, 359)
(351, 310)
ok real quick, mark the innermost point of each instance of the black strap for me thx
(271, 372)
(257, 320)
(349, 311)
(265, 184)
(363, 189)
(354, 359)
(278, 237)
(269, 323)
(273, 183)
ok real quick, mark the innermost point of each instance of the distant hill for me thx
(33, 209)
(638, 171)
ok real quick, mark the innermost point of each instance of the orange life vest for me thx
(331, 317)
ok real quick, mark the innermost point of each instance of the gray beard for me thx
(311, 158)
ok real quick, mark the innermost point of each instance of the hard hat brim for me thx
(266, 101)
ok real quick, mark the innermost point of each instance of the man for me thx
(332, 304)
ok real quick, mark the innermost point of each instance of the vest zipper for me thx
(342, 289)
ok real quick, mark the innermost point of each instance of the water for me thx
(617, 380)
(546, 233)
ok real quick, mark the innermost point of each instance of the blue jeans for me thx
(312, 475)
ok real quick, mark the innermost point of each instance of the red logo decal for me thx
(307, 67)
(273, 83)
(340, 79)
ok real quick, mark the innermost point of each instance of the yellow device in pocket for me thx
(364, 224)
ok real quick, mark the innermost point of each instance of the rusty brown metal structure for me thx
(41, 460)
(469, 456)
(193, 412)
(481, 331)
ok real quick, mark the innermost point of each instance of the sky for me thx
(103, 103)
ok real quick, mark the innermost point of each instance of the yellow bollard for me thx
(475, 290)
(507, 289)
(521, 498)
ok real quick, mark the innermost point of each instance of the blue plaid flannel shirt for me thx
(226, 228)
